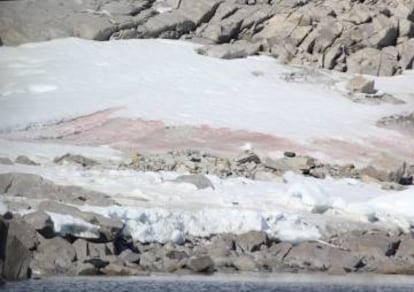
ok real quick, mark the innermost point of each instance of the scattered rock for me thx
(239, 49)
(200, 181)
(76, 159)
(246, 157)
(22, 159)
(296, 163)
(360, 84)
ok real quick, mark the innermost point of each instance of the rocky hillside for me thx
(370, 37)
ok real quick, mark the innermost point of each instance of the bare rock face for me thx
(21, 240)
(53, 256)
(355, 36)
(372, 62)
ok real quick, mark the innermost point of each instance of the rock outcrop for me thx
(367, 37)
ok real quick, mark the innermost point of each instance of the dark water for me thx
(213, 284)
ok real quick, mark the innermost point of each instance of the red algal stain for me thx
(151, 136)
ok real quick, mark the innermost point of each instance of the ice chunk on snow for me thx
(3, 208)
(69, 225)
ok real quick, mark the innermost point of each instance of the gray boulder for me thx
(21, 241)
(23, 159)
(244, 263)
(53, 257)
(35, 187)
(129, 256)
(76, 159)
(238, 49)
(296, 163)
(387, 168)
(200, 264)
(251, 241)
(318, 257)
(406, 248)
(360, 84)
(199, 180)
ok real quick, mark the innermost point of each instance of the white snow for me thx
(44, 152)
(155, 209)
(166, 80)
(153, 78)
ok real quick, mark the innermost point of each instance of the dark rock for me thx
(289, 154)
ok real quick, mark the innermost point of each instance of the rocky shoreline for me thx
(33, 245)
(28, 249)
